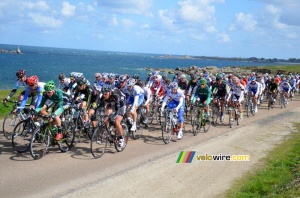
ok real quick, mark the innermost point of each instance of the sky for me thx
(225, 28)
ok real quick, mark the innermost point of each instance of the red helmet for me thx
(32, 80)
(21, 73)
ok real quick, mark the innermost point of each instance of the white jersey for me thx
(285, 86)
(178, 97)
(237, 92)
(66, 83)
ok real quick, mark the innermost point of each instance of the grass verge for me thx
(278, 177)
(3, 94)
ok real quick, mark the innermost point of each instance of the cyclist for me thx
(183, 83)
(177, 103)
(35, 90)
(157, 89)
(21, 82)
(98, 82)
(203, 95)
(63, 82)
(253, 88)
(113, 100)
(285, 88)
(122, 83)
(219, 94)
(191, 87)
(52, 101)
(236, 94)
(134, 100)
(90, 98)
(147, 99)
(111, 80)
(272, 89)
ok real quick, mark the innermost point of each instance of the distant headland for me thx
(17, 51)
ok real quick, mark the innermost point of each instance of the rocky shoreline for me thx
(214, 70)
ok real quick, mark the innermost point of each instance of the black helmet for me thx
(21, 73)
(135, 76)
(106, 88)
(81, 81)
(194, 77)
(122, 78)
(141, 84)
(61, 76)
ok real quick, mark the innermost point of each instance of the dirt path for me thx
(164, 178)
(147, 167)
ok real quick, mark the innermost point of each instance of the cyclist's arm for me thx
(25, 99)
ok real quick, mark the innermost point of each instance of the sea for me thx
(48, 62)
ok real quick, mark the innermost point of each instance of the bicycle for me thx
(250, 105)
(234, 114)
(271, 102)
(170, 126)
(22, 133)
(12, 119)
(283, 100)
(44, 136)
(200, 119)
(217, 112)
(155, 106)
(104, 135)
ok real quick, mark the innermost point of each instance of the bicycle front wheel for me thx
(67, 141)
(39, 143)
(99, 142)
(195, 124)
(167, 131)
(22, 135)
(9, 123)
(121, 146)
(206, 124)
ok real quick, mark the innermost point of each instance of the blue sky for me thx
(227, 28)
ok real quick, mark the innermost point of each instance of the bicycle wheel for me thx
(206, 124)
(9, 123)
(79, 130)
(215, 115)
(152, 114)
(99, 142)
(120, 147)
(68, 130)
(237, 117)
(195, 124)
(231, 119)
(248, 109)
(39, 143)
(167, 131)
(22, 135)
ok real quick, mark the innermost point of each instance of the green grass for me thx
(274, 68)
(278, 177)
(3, 94)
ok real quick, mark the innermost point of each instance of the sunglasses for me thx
(98, 77)
(48, 92)
(72, 78)
(31, 85)
(202, 84)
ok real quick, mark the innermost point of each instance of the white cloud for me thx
(45, 21)
(223, 38)
(40, 5)
(126, 23)
(68, 10)
(140, 7)
(244, 21)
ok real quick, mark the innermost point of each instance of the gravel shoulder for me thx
(165, 178)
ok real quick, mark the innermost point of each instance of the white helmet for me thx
(130, 82)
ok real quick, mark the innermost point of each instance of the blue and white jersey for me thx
(147, 95)
(253, 87)
(66, 83)
(177, 97)
(36, 92)
(20, 84)
(293, 83)
(285, 86)
(135, 95)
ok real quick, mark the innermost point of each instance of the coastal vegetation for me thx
(278, 176)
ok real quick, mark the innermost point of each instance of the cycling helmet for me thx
(213, 78)
(104, 75)
(111, 75)
(154, 73)
(81, 81)
(218, 78)
(21, 73)
(130, 82)
(135, 76)
(61, 76)
(122, 78)
(173, 85)
(182, 76)
(32, 80)
(117, 76)
(106, 88)
(203, 81)
(49, 86)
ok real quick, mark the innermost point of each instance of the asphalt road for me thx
(75, 173)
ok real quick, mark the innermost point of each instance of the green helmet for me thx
(49, 86)
(203, 81)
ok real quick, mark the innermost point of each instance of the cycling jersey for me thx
(36, 94)
(191, 87)
(203, 93)
(237, 92)
(90, 94)
(272, 86)
(253, 87)
(64, 85)
(135, 96)
(285, 86)
(56, 100)
(116, 101)
(157, 89)
(17, 85)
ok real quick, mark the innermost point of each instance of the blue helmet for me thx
(253, 78)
